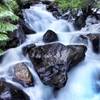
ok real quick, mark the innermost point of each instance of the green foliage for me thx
(11, 5)
(5, 27)
(3, 41)
(7, 16)
(6, 13)
(64, 4)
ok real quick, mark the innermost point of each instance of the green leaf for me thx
(3, 37)
(5, 13)
(5, 26)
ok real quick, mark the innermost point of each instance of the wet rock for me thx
(52, 62)
(95, 40)
(27, 48)
(80, 22)
(26, 28)
(54, 9)
(76, 53)
(23, 75)
(11, 92)
(25, 4)
(50, 36)
(2, 57)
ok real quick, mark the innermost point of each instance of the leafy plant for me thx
(6, 26)
(7, 16)
(64, 4)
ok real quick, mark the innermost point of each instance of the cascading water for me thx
(80, 85)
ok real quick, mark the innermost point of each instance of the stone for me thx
(54, 9)
(50, 36)
(27, 48)
(23, 75)
(11, 92)
(26, 28)
(53, 61)
(80, 22)
(76, 54)
(95, 41)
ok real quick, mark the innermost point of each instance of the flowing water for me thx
(82, 79)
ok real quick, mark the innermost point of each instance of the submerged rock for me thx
(95, 40)
(23, 75)
(50, 36)
(11, 92)
(53, 61)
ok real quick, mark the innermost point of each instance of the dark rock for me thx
(11, 92)
(76, 53)
(25, 4)
(95, 40)
(27, 48)
(80, 22)
(52, 62)
(26, 28)
(2, 57)
(46, 2)
(54, 9)
(23, 75)
(50, 36)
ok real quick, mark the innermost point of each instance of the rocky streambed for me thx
(46, 58)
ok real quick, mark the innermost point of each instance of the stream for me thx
(81, 82)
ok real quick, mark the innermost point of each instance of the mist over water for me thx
(82, 79)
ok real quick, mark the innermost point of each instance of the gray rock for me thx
(53, 61)
(50, 36)
(11, 92)
(95, 41)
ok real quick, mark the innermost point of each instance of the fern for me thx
(5, 26)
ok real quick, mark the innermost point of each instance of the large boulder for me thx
(53, 61)
(50, 36)
(11, 92)
(23, 75)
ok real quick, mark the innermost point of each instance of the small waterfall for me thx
(80, 84)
